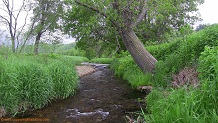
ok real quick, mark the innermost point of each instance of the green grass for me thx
(31, 82)
(183, 105)
(102, 60)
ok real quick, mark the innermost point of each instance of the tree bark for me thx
(141, 56)
(36, 45)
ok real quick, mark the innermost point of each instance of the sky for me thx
(208, 12)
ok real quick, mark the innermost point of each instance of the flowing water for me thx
(101, 98)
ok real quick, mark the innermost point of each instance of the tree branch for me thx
(140, 16)
(96, 10)
(4, 18)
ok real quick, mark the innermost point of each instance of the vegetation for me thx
(31, 82)
(112, 32)
(185, 104)
(102, 60)
(127, 18)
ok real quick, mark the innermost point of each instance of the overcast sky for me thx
(208, 12)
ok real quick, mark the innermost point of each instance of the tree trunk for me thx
(13, 44)
(141, 56)
(36, 45)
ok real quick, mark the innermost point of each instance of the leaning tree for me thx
(126, 16)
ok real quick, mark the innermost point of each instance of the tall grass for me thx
(183, 105)
(31, 82)
(187, 54)
(128, 70)
(193, 105)
(64, 79)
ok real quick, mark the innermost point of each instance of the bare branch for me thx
(4, 10)
(29, 34)
(4, 18)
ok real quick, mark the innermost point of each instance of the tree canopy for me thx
(148, 19)
(47, 14)
(161, 17)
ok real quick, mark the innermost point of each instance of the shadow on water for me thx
(101, 97)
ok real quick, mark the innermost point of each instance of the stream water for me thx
(101, 98)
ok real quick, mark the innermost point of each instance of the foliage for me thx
(46, 19)
(5, 50)
(63, 47)
(186, 54)
(64, 77)
(164, 17)
(188, 105)
(161, 18)
(196, 105)
(161, 51)
(72, 52)
(128, 70)
(75, 59)
(31, 82)
(173, 56)
(102, 60)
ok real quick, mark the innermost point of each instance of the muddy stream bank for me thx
(100, 98)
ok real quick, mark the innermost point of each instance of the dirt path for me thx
(101, 98)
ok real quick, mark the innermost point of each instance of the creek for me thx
(100, 98)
